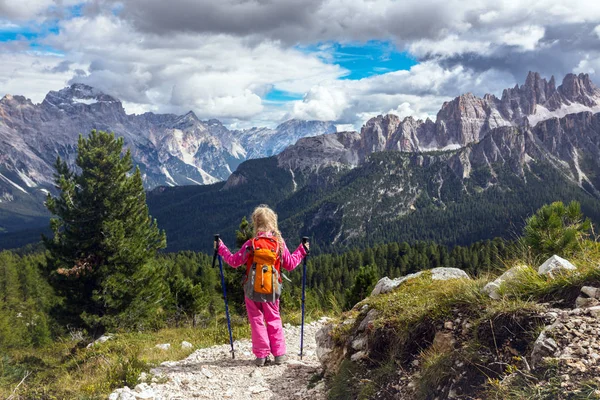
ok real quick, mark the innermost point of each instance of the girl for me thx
(265, 322)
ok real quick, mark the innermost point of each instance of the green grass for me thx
(67, 370)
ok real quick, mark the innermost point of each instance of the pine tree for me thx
(556, 229)
(100, 258)
(245, 232)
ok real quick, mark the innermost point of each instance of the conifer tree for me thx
(556, 229)
(245, 232)
(101, 256)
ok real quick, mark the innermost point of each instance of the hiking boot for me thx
(260, 362)
(280, 359)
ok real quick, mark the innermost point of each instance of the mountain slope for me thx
(170, 150)
(477, 192)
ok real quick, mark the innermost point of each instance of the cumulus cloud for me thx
(32, 75)
(215, 75)
(222, 58)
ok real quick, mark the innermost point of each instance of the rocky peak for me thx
(188, 121)
(377, 132)
(80, 96)
(579, 89)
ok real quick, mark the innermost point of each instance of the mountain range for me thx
(474, 173)
(170, 150)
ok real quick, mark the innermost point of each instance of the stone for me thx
(555, 265)
(142, 387)
(586, 302)
(544, 346)
(256, 374)
(594, 311)
(206, 373)
(369, 318)
(328, 353)
(386, 284)
(591, 292)
(101, 339)
(257, 389)
(492, 288)
(186, 345)
(359, 344)
(358, 356)
(165, 346)
(448, 325)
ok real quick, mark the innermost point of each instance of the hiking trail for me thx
(211, 373)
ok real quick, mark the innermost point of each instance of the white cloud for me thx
(419, 92)
(215, 75)
(30, 75)
(23, 10)
(597, 30)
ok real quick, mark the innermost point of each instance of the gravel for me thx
(211, 373)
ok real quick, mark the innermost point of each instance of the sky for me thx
(261, 62)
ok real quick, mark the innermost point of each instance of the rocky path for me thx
(211, 374)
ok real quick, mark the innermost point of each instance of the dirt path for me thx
(211, 374)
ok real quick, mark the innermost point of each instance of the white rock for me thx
(101, 339)
(149, 395)
(591, 291)
(544, 346)
(492, 288)
(142, 387)
(165, 346)
(437, 274)
(206, 373)
(257, 389)
(256, 374)
(555, 265)
(358, 356)
(186, 345)
(594, 311)
(359, 343)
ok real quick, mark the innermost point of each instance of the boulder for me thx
(492, 288)
(165, 346)
(328, 353)
(437, 274)
(555, 265)
(591, 292)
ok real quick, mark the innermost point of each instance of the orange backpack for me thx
(263, 270)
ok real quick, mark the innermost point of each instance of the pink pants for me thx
(267, 331)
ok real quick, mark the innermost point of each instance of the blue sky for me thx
(359, 59)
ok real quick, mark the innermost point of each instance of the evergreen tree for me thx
(244, 233)
(556, 229)
(100, 258)
(363, 285)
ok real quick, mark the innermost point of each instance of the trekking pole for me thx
(304, 241)
(215, 256)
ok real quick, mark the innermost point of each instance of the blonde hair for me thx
(265, 220)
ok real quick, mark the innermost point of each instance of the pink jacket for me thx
(288, 261)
